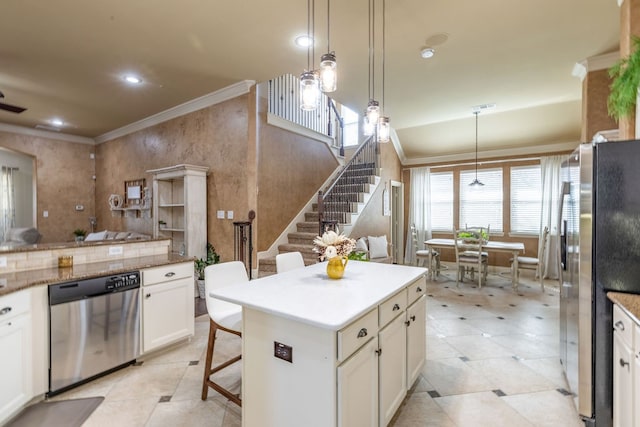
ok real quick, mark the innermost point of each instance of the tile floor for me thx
(492, 360)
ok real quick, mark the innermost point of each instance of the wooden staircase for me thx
(359, 184)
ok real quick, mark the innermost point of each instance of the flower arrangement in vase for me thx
(335, 248)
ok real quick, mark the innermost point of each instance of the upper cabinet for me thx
(180, 208)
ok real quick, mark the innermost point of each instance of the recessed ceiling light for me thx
(427, 52)
(304, 41)
(57, 122)
(130, 78)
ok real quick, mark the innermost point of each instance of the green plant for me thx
(79, 232)
(358, 256)
(202, 263)
(473, 235)
(625, 75)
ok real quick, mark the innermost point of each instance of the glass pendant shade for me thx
(373, 111)
(309, 90)
(328, 72)
(384, 129)
(368, 127)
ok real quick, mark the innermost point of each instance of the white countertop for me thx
(309, 296)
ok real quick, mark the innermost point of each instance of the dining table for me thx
(515, 248)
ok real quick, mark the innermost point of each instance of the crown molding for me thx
(205, 101)
(594, 63)
(509, 152)
(22, 130)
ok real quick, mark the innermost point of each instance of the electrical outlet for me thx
(229, 214)
(45, 214)
(283, 351)
(220, 214)
(3, 262)
(79, 207)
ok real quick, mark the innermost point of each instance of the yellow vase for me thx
(335, 267)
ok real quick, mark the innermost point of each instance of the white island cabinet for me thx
(322, 352)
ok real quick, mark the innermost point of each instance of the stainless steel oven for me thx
(94, 328)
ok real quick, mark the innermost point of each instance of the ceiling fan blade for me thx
(12, 108)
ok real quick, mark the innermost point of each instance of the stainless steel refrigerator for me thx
(599, 252)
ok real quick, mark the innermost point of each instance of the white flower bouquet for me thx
(332, 244)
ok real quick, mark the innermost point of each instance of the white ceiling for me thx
(65, 59)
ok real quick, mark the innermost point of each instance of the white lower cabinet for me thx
(167, 305)
(625, 369)
(392, 367)
(358, 390)
(15, 353)
(416, 339)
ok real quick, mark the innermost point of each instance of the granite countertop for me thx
(13, 282)
(8, 248)
(629, 302)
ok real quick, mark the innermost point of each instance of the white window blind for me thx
(481, 206)
(526, 199)
(441, 195)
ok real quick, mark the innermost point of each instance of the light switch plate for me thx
(220, 214)
(3, 262)
(115, 250)
(45, 214)
(229, 214)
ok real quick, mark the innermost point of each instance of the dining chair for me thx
(422, 255)
(289, 261)
(223, 316)
(530, 263)
(469, 256)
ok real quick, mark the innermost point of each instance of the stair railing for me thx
(334, 202)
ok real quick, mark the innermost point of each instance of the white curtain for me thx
(419, 212)
(551, 188)
(7, 200)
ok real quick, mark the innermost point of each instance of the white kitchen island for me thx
(347, 350)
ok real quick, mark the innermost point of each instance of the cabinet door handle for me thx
(413, 318)
(623, 363)
(619, 325)
(170, 274)
(362, 333)
(418, 289)
(5, 310)
(407, 322)
(379, 351)
(396, 307)
(147, 296)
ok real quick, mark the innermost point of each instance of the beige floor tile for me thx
(148, 381)
(187, 413)
(454, 327)
(511, 376)
(439, 348)
(550, 368)
(453, 376)
(525, 347)
(419, 410)
(484, 409)
(122, 413)
(477, 347)
(546, 409)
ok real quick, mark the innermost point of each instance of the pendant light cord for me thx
(328, 25)
(384, 24)
(476, 113)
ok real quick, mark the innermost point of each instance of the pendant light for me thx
(309, 81)
(328, 64)
(475, 183)
(384, 127)
(373, 108)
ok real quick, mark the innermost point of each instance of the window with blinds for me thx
(481, 206)
(441, 194)
(526, 199)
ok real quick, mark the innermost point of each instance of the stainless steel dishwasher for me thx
(94, 328)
